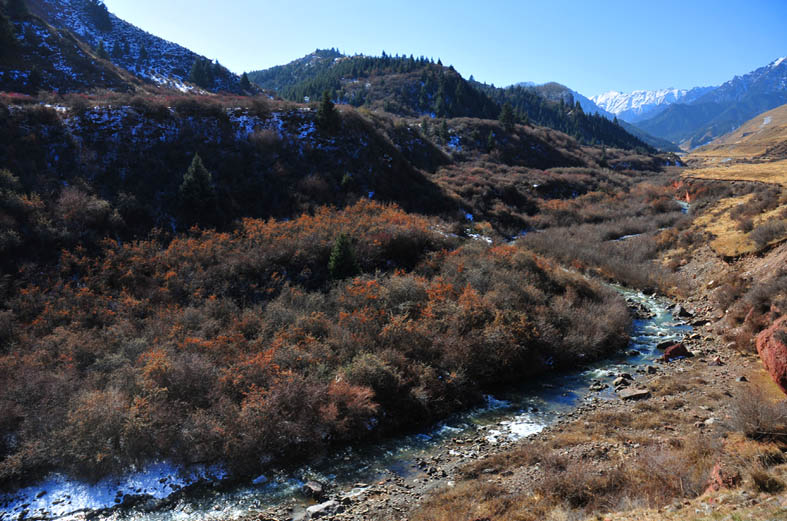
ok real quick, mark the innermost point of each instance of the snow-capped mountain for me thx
(723, 109)
(143, 54)
(642, 104)
(766, 80)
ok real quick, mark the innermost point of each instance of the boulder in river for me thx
(773, 351)
(680, 311)
(676, 351)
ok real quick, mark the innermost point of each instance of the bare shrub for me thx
(759, 418)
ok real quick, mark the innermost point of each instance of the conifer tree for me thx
(101, 52)
(443, 131)
(327, 117)
(490, 141)
(117, 51)
(98, 14)
(507, 117)
(197, 195)
(7, 35)
(143, 55)
(245, 84)
(342, 263)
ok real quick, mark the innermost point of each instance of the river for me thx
(507, 416)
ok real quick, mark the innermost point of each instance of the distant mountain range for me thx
(643, 104)
(723, 109)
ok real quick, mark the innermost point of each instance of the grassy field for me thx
(774, 172)
(731, 240)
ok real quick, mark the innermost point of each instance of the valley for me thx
(370, 287)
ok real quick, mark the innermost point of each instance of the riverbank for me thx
(606, 450)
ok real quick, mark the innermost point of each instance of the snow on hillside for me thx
(148, 56)
(640, 104)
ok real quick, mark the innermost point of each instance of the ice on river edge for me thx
(62, 497)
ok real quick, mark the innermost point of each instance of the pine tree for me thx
(327, 117)
(245, 84)
(143, 55)
(197, 195)
(98, 14)
(507, 117)
(490, 141)
(117, 51)
(8, 39)
(342, 263)
(101, 52)
(443, 132)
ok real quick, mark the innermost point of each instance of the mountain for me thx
(280, 77)
(36, 56)
(655, 142)
(763, 137)
(723, 109)
(556, 92)
(642, 104)
(143, 54)
(417, 87)
(560, 93)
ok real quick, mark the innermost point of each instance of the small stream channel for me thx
(508, 415)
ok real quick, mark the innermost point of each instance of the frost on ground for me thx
(61, 497)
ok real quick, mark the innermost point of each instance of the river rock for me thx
(773, 352)
(665, 344)
(621, 382)
(313, 489)
(634, 394)
(328, 508)
(680, 311)
(676, 351)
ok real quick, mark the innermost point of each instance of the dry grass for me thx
(774, 172)
(752, 139)
(730, 240)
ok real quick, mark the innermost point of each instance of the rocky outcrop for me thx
(773, 352)
(721, 478)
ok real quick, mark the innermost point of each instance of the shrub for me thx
(758, 417)
(768, 232)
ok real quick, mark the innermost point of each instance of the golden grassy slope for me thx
(774, 172)
(751, 140)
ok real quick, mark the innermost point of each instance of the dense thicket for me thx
(236, 347)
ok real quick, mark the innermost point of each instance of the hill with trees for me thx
(415, 87)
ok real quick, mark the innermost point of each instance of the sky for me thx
(590, 46)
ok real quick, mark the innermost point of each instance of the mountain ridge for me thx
(641, 104)
(723, 109)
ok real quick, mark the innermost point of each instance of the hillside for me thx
(723, 109)
(416, 87)
(37, 56)
(762, 137)
(129, 47)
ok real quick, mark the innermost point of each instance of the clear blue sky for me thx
(591, 46)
